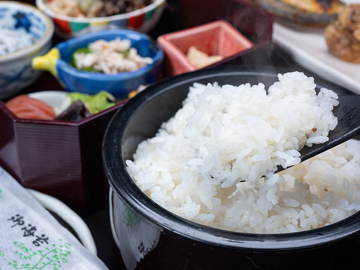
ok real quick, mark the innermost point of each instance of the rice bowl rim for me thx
(48, 11)
(130, 193)
(39, 43)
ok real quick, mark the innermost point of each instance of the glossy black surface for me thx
(181, 244)
(348, 114)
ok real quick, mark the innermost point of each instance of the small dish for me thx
(215, 38)
(16, 71)
(142, 20)
(53, 98)
(307, 46)
(69, 217)
(120, 84)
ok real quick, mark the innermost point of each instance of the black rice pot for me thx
(150, 237)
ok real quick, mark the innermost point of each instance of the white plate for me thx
(307, 46)
(69, 216)
(53, 98)
(56, 99)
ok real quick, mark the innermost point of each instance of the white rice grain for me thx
(196, 163)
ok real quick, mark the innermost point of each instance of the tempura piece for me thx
(343, 35)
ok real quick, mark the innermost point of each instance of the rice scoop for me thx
(225, 135)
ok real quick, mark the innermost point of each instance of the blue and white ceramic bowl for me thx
(16, 71)
(120, 84)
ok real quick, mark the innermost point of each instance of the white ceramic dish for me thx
(69, 216)
(53, 98)
(307, 46)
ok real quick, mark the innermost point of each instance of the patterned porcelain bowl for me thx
(16, 71)
(142, 20)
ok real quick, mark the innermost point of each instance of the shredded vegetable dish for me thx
(109, 57)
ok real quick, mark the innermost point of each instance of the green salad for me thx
(94, 103)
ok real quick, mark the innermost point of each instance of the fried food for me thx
(343, 35)
(316, 6)
(317, 13)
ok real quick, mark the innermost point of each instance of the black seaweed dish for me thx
(150, 237)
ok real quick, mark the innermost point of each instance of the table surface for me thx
(98, 222)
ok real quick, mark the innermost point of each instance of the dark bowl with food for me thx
(151, 237)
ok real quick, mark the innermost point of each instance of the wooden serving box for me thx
(59, 158)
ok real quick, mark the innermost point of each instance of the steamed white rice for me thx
(225, 135)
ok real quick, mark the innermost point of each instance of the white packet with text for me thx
(31, 238)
